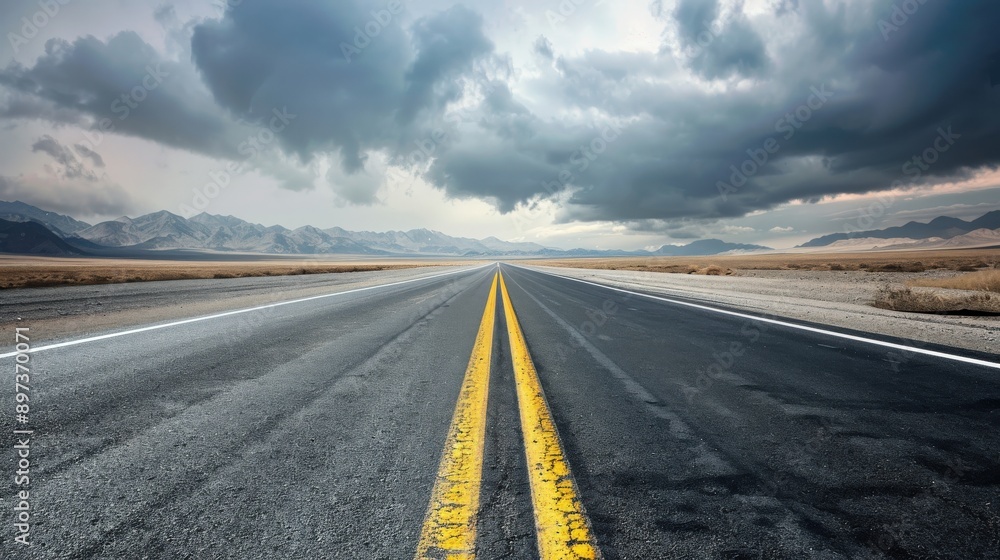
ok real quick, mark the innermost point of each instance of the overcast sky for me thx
(572, 123)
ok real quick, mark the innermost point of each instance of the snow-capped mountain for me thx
(164, 230)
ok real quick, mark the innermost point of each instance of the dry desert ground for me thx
(33, 272)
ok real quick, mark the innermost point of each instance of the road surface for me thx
(521, 415)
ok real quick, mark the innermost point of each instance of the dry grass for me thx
(930, 301)
(961, 260)
(981, 281)
(973, 292)
(34, 272)
(713, 270)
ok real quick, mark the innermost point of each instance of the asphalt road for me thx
(317, 430)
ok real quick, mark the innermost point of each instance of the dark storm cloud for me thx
(70, 166)
(683, 228)
(123, 83)
(786, 6)
(446, 46)
(51, 146)
(838, 98)
(357, 76)
(165, 14)
(543, 48)
(685, 234)
(93, 156)
(695, 16)
(847, 111)
(718, 49)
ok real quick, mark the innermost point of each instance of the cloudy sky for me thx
(573, 123)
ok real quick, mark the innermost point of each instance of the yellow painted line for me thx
(449, 530)
(561, 523)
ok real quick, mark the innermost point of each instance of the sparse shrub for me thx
(982, 280)
(712, 270)
(899, 267)
(905, 299)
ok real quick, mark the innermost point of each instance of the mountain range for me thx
(707, 247)
(34, 238)
(942, 227)
(18, 211)
(163, 230)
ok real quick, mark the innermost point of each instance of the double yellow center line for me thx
(561, 524)
(450, 525)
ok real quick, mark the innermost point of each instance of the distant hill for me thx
(18, 211)
(707, 247)
(942, 227)
(977, 238)
(32, 238)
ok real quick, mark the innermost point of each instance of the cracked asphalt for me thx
(315, 430)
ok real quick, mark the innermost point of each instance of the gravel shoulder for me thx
(837, 298)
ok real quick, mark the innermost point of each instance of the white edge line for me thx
(855, 338)
(228, 313)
